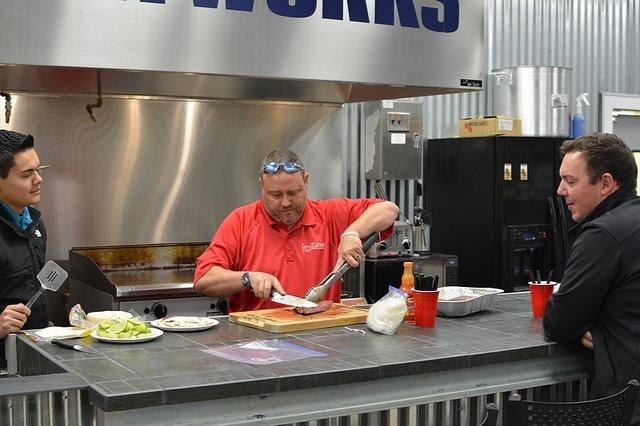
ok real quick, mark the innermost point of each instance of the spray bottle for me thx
(577, 123)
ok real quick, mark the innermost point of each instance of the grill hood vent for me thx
(266, 50)
(155, 84)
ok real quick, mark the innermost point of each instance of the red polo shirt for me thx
(250, 240)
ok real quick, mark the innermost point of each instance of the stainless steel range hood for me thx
(247, 50)
(155, 84)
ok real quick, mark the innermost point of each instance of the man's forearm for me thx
(219, 282)
(376, 218)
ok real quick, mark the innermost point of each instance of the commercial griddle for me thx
(153, 280)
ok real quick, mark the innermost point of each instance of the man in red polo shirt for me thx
(285, 241)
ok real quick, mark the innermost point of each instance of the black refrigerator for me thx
(492, 202)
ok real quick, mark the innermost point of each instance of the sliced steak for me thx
(323, 305)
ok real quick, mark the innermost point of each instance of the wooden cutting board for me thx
(285, 320)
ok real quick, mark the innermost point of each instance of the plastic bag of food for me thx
(78, 318)
(387, 313)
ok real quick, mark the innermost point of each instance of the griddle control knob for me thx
(159, 310)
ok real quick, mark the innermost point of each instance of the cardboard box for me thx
(488, 126)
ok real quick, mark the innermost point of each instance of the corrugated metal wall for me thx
(599, 39)
(441, 113)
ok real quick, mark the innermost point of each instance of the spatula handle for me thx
(35, 297)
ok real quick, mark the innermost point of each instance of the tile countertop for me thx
(174, 369)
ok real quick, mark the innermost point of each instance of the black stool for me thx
(613, 410)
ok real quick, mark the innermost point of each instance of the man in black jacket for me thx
(598, 302)
(22, 236)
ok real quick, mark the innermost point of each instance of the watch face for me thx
(246, 279)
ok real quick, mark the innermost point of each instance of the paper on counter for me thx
(56, 332)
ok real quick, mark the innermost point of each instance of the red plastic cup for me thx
(425, 306)
(540, 294)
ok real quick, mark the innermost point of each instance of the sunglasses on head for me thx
(288, 166)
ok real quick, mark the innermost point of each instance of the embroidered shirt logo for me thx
(38, 234)
(315, 245)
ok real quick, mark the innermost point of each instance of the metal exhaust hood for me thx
(311, 51)
(156, 84)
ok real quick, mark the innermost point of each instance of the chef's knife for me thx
(287, 299)
(70, 345)
(317, 292)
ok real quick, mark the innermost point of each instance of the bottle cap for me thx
(408, 264)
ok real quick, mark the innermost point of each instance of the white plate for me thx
(154, 333)
(185, 323)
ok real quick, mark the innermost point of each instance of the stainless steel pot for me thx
(540, 96)
(421, 235)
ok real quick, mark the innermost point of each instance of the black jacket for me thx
(21, 258)
(600, 291)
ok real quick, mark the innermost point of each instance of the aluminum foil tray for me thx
(456, 301)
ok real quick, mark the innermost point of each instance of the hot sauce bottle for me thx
(406, 285)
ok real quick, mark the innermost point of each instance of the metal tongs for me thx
(316, 293)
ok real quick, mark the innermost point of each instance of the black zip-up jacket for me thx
(600, 291)
(22, 256)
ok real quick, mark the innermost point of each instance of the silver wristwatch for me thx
(246, 280)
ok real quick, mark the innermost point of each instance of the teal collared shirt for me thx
(23, 220)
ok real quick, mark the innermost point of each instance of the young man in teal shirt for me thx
(23, 236)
